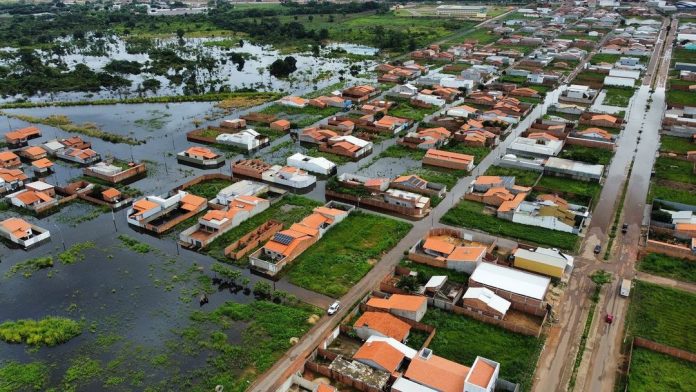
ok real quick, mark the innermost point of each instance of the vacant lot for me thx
(301, 117)
(672, 169)
(676, 145)
(595, 156)
(669, 267)
(618, 96)
(478, 152)
(208, 189)
(582, 191)
(439, 175)
(666, 192)
(652, 371)
(405, 109)
(522, 177)
(681, 98)
(425, 272)
(461, 339)
(480, 35)
(662, 314)
(470, 214)
(346, 253)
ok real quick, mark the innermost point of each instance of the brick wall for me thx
(681, 252)
(664, 349)
(590, 143)
(251, 240)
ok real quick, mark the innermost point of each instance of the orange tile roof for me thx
(192, 202)
(111, 193)
(8, 156)
(42, 163)
(325, 388)
(438, 373)
(143, 205)
(381, 353)
(314, 221)
(202, 151)
(512, 204)
(16, 226)
(281, 123)
(601, 132)
(399, 301)
(304, 230)
(10, 175)
(541, 135)
(31, 197)
(481, 373)
(295, 100)
(22, 133)
(34, 150)
(438, 245)
(449, 156)
(467, 253)
(685, 227)
(604, 117)
(481, 180)
(384, 323)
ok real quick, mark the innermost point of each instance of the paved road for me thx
(299, 353)
(638, 140)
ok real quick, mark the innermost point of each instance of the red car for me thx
(609, 318)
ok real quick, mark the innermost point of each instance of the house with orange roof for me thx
(414, 183)
(32, 153)
(9, 160)
(411, 307)
(359, 94)
(161, 213)
(347, 146)
(23, 233)
(11, 179)
(200, 157)
(600, 120)
(80, 156)
(425, 139)
(42, 166)
(316, 135)
(292, 101)
(381, 355)
(32, 200)
(281, 125)
(286, 245)
(381, 324)
(217, 222)
(19, 137)
(111, 195)
(595, 134)
(477, 138)
(464, 111)
(463, 258)
(449, 160)
(391, 124)
(525, 92)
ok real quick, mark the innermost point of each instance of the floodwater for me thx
(254, 74)
(134, 306)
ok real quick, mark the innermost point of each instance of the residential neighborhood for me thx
(348, 196)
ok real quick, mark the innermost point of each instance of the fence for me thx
(336, 376)
(657, 347)
(251, 240)
(678, 251)
(510, 326)
(378, 204)
(590, 143)
(134, 171)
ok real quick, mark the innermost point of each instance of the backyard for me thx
(676, 170)
(471, 214)
(662, 314)
(405, 109)
(669, 267)
(346, 253)
(595, 156)
(653, 371)
(461, 339)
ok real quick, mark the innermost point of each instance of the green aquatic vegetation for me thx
(49, 331)
(16, 376)
(75, 253)
(28, 267)
(134, 245)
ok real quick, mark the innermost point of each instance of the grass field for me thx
(681, 98)
(439, 175)
(674, 170)
(461, 339)
(595, 156)
(208, 189)
(583, 191)
(480, 35)
(346, 253)
(407, 110)
(425, 272)
(478, 152)
(662, 314)
(618, 96)
(522, 177)
(301, 117)
(664, 192)
(676, 145)
(652, 371)
(470, 214)
(669, 267)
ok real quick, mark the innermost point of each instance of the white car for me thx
(333, 308)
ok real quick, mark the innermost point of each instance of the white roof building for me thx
(624, 73)
(550, 257)
(247, 139)
(404, 349)
(618, 81)
(318, 165)
(240, 188)
(525, 146)
(511, 280)
(488, 297)
(581, 170)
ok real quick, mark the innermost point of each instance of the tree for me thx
(180, 33)
(283, 68)
(323, 34)
(408, 283)
(262, 288)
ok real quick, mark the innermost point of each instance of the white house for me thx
(535, 147)
(22, 232)
(619, 81)
(452, 82)
(461, 111)
(291, 101)
(430, 99)
(289, 176)
(152, 207)
(488, 299)
(319, 165)
(406, 90)
(246, 139)
(240, 188)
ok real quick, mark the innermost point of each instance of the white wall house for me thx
(289, 176)
(247, 139)
(319, 165)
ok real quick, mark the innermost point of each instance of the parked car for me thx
(624, 228)
(597, 249)
(609, 318)
(334, 308)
